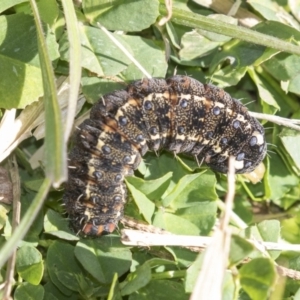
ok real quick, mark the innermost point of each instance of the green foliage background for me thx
(170, 193)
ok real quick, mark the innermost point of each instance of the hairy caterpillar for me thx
(178, 114)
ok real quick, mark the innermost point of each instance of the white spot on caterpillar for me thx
(238, 165)
(259, 136)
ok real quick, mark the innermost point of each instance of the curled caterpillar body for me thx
(178, 114)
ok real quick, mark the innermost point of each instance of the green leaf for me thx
(280, 179)
(122, 15)
(265, 91)
(153, 189)
(149, 54)
(285, 67)
(6, 4)
(145, 205)
(230, 287)
(49, 11)
(20, 74)
(98, 54)
(291, 140)
(27, 220)
(203, 215)
(175, 224)
(63, 268)
(93, 87)
(27, 291)
(56, 225)
(239, 249)
(195, 45)
(53, 293)
(193, 273)
(192, 189)
(159, 166)
(104, 257)
(30, 265)
(161, 289)
(187, 18)
(270, 10)
(138, 279)
(268, 231)
(35, 229)
(258, 277)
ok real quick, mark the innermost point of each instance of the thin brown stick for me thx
(164, 20)
(291, 123)
(143, 241)
(9, 278)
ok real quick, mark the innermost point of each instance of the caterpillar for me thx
(178, 114)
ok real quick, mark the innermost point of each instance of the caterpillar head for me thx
(248, 155)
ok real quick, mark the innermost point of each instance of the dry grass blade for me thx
(210, 280)
(10, 271)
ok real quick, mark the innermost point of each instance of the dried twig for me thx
(9, 278)
(291, 123)
(164, 20)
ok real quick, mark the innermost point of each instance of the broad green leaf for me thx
(99, 54)
(149, 54)
(176, 224)
(230, 286)
(258, 277)
(6, 4)
(20, 74)
(291, 141)
(239, 249)
(193, 272)
(53, 293)
(29, 264)
(193, 20)
(265, 91)
(268, 231)
(122, 15)
(136, 280)
(104, 257)
(153, 189)
(290, 230)
(203, 215)
(192, 189)
(93, 87)
(195, 45)
(200, 42)
(27, 291)
(236, 59)
(63, 268)
(57, 225)
(145, 205)
(270, 10)
(159, 166)
(280, 179)
(286, 67)
(161, 289)
(32, 236)
(189, 163)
